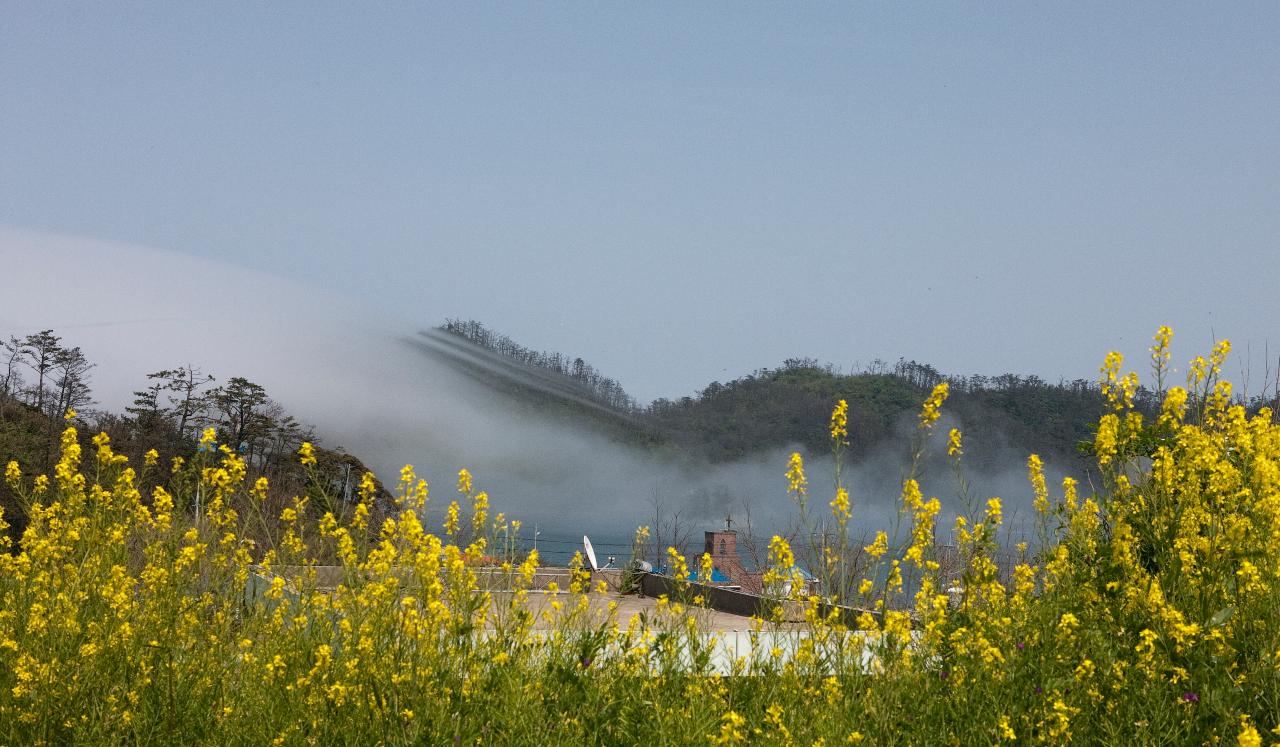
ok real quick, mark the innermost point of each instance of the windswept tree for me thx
(184, 405)
(70, 378)
(187, 402)
(40, 352)
(149, 416)
(240, 406)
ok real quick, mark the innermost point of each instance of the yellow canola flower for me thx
(912, 498)
(1059, 728)
(1160, 350)
(1109, 375)
(480, 511)
(780, 553)
(797, 483)
(307, 453)
(932, 407)
(1006, 730)
(209, 436)
(705, 568)
(1107, 441)
(1219, 356)
(451, 519)
(464, 482)
(529, 567)
(162, 504)
(679, 567)
(12, 473)
(368, 486)
(1174, 407)
(1196, 371)
(1248, 578)
(954, 447)
(731, 730)
(840, 421)
(995, 512)
(895, 576)
(1069, 494)
(151, 458)
(879, 546)
(1248, 736)
(105, 455)
(840, 508)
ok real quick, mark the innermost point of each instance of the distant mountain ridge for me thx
(788, 405)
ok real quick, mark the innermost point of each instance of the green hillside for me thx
(787, 405)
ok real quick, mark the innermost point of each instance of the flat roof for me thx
(627, 607)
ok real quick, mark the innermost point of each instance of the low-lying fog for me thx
(352, 374)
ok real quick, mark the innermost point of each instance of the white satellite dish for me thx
(591, 553)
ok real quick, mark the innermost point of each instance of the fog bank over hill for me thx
(368, 384)
(346, 370)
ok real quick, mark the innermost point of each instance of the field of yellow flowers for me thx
(1148, 612)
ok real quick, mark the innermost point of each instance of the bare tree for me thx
(669, 530)
(13, 351)
(747, 537)
(283, 435)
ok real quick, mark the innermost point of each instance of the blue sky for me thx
(685, 192)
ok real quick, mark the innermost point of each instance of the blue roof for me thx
(716, 576)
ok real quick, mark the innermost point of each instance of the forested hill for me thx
(45, 386)
(791, 405)
(572, 375)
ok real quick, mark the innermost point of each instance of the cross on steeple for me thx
(728, 522)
